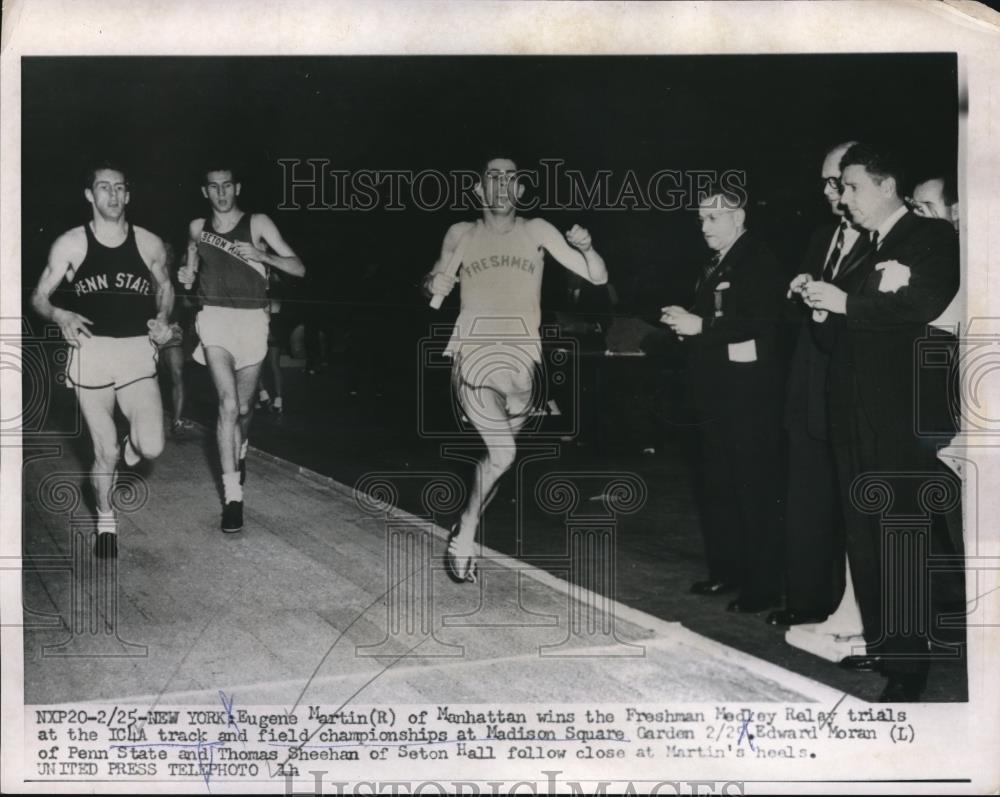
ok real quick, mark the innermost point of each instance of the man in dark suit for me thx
(734, 377)
(909, 277)
(935, 197)
(814, 539)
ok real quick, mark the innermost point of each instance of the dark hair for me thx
(219, 166)
(100, 166)
(949, 185)
(949, 188)
(497, 154)
(880, 163)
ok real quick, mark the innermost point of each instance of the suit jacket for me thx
(806, 396)
(873, 361)
(733, 365)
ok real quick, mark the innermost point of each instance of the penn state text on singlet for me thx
(112, 287)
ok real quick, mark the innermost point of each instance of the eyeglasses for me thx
(834, 183)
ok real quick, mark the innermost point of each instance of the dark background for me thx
(771, 116)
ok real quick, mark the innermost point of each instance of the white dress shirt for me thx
(851, 235)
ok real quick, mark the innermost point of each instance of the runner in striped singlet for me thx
(228, 252)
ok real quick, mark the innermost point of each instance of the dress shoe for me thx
(903, 689)
(749, 606)
(788, 617)
(864, 663)
(106, 546)
(710, 587)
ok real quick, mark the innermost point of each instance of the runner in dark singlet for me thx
(495, 347)
(112, 299)
(228, 252)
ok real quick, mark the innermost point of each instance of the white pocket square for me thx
(894, 276)
(743, 352)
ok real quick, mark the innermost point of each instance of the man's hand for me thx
(441, 284)
(683, 323)
(248, 251)
(72, 325)
(186, 276)
(578, 237)
(824, 296)
(798, 284)
(159, 331)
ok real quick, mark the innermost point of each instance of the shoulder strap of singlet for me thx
(207, 226)
(73, 269)
(135, 246)
(92, 238)
(521, 227)
(478, 228)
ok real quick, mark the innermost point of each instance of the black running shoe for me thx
(243, 471)
(232, 517)
(106, 545)
(460, 558)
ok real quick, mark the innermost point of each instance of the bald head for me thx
(831, 176)
(723, 220)
(935, 199)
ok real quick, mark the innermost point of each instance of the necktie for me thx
(710, 268)
(874, 244)
(829, 269)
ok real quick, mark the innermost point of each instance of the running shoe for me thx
(232, 517)
(460, 558)
(106, 545)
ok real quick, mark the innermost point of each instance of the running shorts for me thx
(100, 361)
(240, 331)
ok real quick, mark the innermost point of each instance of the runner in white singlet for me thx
(496, 346)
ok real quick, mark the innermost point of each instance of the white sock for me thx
(277, 402)
(263, 396)
(231, 487)
(243, 449)
(106, 523)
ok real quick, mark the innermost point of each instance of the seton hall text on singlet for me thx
(112, 287)
(225, 279)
